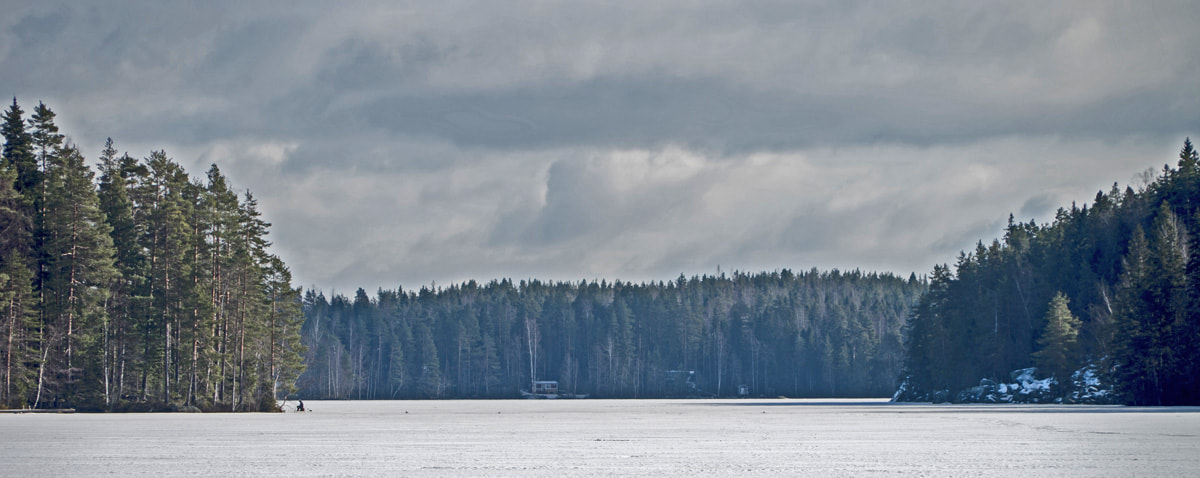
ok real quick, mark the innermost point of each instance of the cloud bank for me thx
(403, 143)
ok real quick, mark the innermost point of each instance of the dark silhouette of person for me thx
(300, 407)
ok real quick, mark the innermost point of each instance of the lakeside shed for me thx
(545, 387)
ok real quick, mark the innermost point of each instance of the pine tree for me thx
(151, 283)
(251, 307)
(19, 322)
(79, 275)
(46, 144)
(19, 327)
(286, 350)
(1057, 353)
(220, 209)
(161, 209)
(116, 181)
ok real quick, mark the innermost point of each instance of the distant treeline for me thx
(811, 334)
(146, 290)
(1114, 288)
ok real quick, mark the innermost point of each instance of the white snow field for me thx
(612, 438)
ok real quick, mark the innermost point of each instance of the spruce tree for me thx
(1189, 159)
(18, 152)
(1137, 367)
(1171, 299)
(429, 371)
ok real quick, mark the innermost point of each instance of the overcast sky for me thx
(396, 144)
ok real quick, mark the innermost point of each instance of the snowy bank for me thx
(1023, 387)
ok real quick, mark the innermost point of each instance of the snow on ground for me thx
(612, 438)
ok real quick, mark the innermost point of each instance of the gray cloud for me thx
(1041, 205)
(408, 142)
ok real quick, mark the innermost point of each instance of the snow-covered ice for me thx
(613, 438)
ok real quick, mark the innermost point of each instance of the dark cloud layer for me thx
(404, 142)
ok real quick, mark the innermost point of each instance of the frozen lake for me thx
(612, 437)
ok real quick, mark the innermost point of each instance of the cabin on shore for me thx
(545, 387)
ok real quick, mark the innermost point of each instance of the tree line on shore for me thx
(1110, 290)
(143, 289)
(811, 334)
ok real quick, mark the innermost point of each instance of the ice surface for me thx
(612, 438)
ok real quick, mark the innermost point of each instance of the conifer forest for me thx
(808, 334)
(1110, 290)
(127, 284)
(140, 289)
